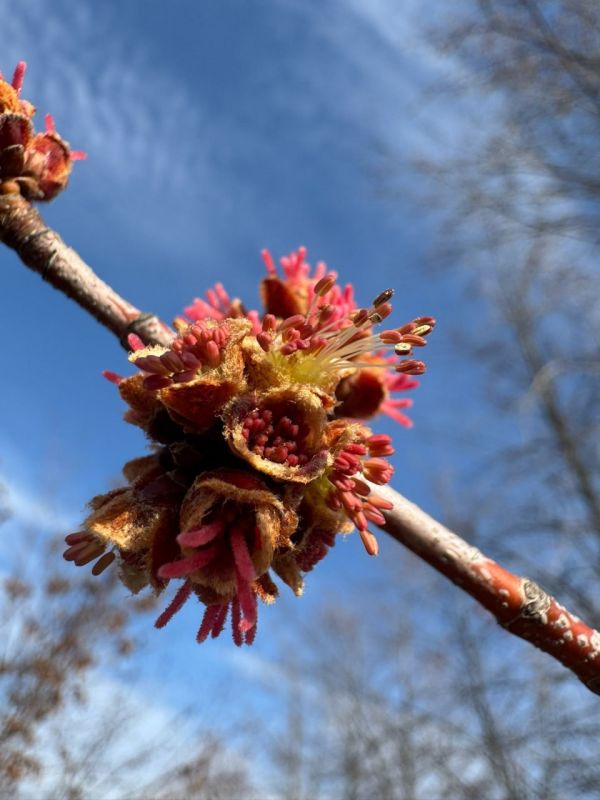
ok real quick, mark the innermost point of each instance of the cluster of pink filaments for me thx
(277, 439)
(335, 344)
(400, 382)
(351, 494)
(229, 530)
(200, 346)
(218, 305)
(297, 275)
(215, 617)
(214, 620)
(319, 544)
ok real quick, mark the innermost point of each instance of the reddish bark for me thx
(519, 604)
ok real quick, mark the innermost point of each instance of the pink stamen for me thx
(411, 367)
(235, 621)
(397, 416)
(265, 340)
(250, 635)
(18, 76)
(179, 569)
(175, 605)
(269, 263)
(134, 341)
(400, 382)
(213, 354)
(356, 449)
(381, 445)
(291, 322)
(200, 536)
(269, 323)
(243, 562)
(374, 516)
(208, 620)
(49, 122)
(379, 502)
(248, 603)
(220, 620)
(370, 542)
(360, 520)
(112, 376)
(377, 470)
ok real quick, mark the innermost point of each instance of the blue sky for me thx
(213, 130)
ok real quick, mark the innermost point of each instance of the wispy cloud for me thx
(392, 69)
(25, 508)
(108, 96)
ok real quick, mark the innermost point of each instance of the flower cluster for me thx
(261, 455)
(35, 164)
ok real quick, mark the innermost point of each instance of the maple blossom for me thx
(35, 165)
(261, 455)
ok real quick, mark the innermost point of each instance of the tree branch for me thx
(519, 604)
(42, 250)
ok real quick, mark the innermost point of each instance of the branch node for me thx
(536, 602)
(29, 237)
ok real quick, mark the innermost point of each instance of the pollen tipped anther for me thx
(384, 297)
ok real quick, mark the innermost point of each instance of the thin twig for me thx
(42, 250)
(519, 604)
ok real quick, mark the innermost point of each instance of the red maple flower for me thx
(36, 165)
(261, 453)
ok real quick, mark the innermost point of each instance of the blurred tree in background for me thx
(521, 202)
(53, 635)
(467, 725)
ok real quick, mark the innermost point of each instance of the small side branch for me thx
(519, 604)
(42, 250)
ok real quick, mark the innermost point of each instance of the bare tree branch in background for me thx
(524, 194)
(459, 727)
(51, 638)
